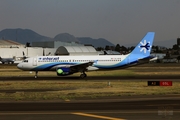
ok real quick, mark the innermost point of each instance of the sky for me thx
(119, 21)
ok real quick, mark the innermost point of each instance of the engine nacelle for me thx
(63, 71)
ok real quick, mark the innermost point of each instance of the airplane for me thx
(7, 60)
(67, 65)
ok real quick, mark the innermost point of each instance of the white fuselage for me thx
(42, 63)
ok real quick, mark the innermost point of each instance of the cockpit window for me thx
(25, 61)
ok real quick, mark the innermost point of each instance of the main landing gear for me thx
(83, 75)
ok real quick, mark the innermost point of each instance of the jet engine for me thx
(63, 71)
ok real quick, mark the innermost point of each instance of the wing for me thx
(80, 67)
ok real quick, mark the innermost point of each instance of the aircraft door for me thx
(35, 61)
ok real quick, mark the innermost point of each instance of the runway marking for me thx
(98, 116)
(60, 112)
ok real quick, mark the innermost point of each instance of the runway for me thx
(109, 109)
(163, 107)
(31, 78)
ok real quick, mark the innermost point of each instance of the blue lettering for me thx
(50, 59)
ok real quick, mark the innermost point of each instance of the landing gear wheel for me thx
(36, 76)
(83, 75)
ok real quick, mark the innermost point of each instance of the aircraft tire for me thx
(35, 76)
(83, 75)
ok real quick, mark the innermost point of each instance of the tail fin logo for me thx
(145, 46)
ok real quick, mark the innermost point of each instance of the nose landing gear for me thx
(36, 75)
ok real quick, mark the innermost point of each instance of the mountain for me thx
(166, 43)
(95, 42)
(22, 35)
(65, 37)
(26, 35)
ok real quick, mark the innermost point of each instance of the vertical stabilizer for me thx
(143, 49)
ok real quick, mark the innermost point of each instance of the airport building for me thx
(54, 44)
(10, 44)
(67, 48)
(11, 49)
(76, 50)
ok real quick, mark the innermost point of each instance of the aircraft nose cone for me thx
(19, 66)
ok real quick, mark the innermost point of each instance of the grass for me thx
(64, 90)
(80, 89)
